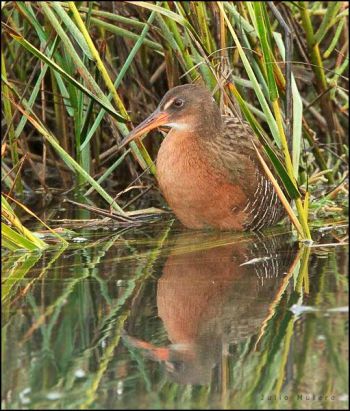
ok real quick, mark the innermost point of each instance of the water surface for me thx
(160, 317)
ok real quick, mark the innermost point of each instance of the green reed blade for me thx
(264, 105)
(17, 240)
(72, 28)
(120, 77)
(98, 98)
(71, 163)
(289, 185)
(263, 32)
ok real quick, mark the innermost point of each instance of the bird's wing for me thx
(238, 157)
(237, 153)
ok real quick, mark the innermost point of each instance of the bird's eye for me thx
(178, 102)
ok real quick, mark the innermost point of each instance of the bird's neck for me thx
(213, 124)
(200, 133)
(205, 122)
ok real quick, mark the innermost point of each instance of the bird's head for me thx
(188, 108)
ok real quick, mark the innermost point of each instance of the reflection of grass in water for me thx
(80, 330)
(14, 272)
(75, 304)
(269, 371)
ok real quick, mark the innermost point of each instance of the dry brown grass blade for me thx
(280, 194)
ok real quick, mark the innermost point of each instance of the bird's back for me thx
(237, 156)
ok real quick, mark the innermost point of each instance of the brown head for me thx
(189, 108)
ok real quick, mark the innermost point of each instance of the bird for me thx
(207, 166)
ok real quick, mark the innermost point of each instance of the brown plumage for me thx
(207, 167)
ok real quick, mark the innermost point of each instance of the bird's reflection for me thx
(214, 293)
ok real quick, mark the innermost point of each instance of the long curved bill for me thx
(156, 119)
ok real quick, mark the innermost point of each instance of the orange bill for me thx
(156, 119)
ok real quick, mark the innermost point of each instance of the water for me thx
(160, 317)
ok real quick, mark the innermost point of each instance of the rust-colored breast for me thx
(200, 194)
